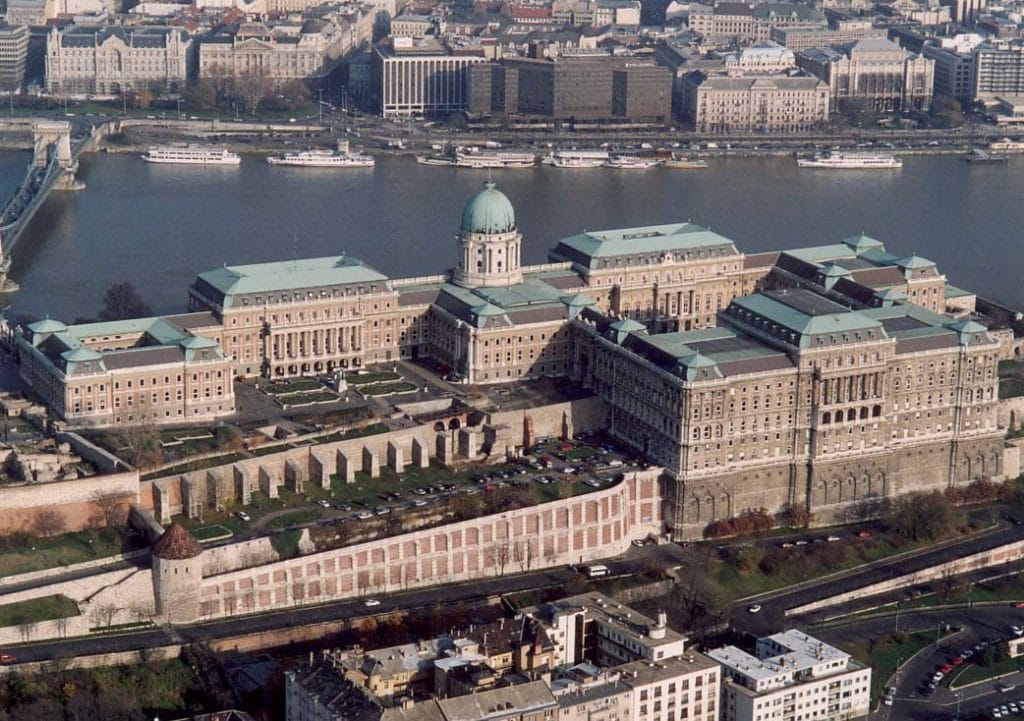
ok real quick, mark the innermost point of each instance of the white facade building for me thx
(793, 677)
(419, 77)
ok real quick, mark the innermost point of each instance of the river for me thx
(157, 226)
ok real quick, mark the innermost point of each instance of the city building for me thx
(596, 13)
(766, 57)
(834, 384)
(420, 77)
(875, 71)
(608, 662)
(278, 53)
(792, 676)
(587, 87)
(754, 102)
(13, 54)
(804, 38)
(965, 12)
(745, 24)
(954, 65)
(998, 70)
(412, 25)
(111, 60)
(161, 370)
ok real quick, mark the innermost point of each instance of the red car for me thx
(958, 661)
(1019, 604)
(6, 658)
(945, 668)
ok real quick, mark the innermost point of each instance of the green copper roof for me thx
(862, 242)
(914, 261)
(81, 353)
(489, 211)
(661, 240)
(47, 325)
(290, 275)
(796, 316)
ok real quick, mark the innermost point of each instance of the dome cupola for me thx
(488, 212)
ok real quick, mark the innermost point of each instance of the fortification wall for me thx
(164, 496)
(583, 528)
(72, 500)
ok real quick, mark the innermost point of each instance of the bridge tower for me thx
(54, 136)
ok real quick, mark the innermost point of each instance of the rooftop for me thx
(594, 249)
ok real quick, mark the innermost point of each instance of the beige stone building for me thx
(876, 71)
(144, 370)
(825, 388)
(754, 102)
(110, 60)
(749, 23)
(280, 53)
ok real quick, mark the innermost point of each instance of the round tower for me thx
(489, 242)
(177, 575)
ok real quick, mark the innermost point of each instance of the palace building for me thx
(827, 376)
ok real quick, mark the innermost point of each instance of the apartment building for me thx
(754, 102)
(791, 677)
(420, 76)
(13, 55)
(748, 23)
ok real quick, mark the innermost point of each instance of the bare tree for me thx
(49, 523)
(113, 507)
(251, 89)
(103, 615)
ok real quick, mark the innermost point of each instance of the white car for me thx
(242, 515)
(323, 503)
(756, 608)
(371, 602)
(996, 713)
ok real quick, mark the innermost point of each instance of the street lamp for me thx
(897, 618)
(958, 697)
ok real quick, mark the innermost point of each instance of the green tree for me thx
(202, 94)
(122, 301)
(923, 517)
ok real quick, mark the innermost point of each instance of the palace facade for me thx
(827, 376)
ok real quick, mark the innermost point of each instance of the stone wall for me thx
(1000, 555)
(103, 460)
(44, 630)
(246, 554)
(592, 526)
(21, 504)
(167, 496)
(1010, 413)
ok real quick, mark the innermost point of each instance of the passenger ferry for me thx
(843, 160)
(475, 158)
(190, 154)
(323, 158)
(630, 162)
(679, 163)
(576, 158)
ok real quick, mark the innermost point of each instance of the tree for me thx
(49, 523)
(138, 99)
(121, 301)
(797, 515)
(250, 89)
(202, 94)
(112, 507)
(922, 517)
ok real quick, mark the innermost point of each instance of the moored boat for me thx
(576, 158)
(191, 154)
(630, 162)
(473, 158)
(845, 160)
(681, 163)
(323, 158)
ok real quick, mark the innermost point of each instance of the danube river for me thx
(157, 226)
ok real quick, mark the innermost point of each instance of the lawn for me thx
(193, 466)
(213, 532)
(296, 518)
(383, 389)
(367, 378)
(582, 453)
(25, 554)
(37, 609)
(799, 564)
(885, 654)
(296, 386)
(973, 674)
(306, 398)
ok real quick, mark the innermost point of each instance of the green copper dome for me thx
(489, 211)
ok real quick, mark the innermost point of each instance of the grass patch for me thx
(295, 518)
(338, 417)
(23, 554)
(305, 398)
(579, 454)
(47, 608)
(191, 466)
(368, 378)
(974, 674)
(383, 389)
(885, 653)
(296, 386)
(211, 533)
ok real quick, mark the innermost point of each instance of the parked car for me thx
(756, 608)
(243, 516)
(371, 602)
